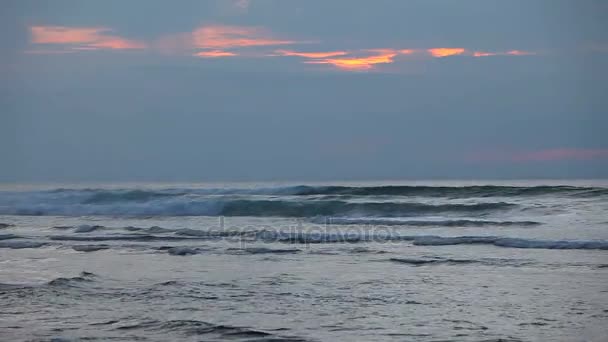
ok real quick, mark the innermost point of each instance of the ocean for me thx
(342, 261)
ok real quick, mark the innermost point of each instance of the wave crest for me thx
(252, 207)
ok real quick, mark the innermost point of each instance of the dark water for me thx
(518, 261)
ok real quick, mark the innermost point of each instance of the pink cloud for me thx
(484, 54)
(508, 53)
(215, 54)
(519, 53)
(224, 37)
(219, 37)
(81, 38)
(311, 54)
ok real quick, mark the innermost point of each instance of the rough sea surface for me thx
(426, 261)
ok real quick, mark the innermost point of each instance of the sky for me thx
(310, 90)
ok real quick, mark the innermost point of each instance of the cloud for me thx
(556, 154)
(407, 51)
(215, 41)
(356, 63)
(484, 54)
(214, 54)
(508, 53)
(241, 5)
(519, 53)
(225, 37)
(82, 38)
(311, 54)
(445, 52)
(218, 37)
(359, 63)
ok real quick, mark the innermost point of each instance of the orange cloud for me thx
(445, 52)
(82, 38)
(224, 37)
(214, 54)
(508, 53)
(407, 51)
(311, 54)
(358, 63)
(484, 54)
(519, 53)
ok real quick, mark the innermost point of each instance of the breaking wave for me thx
(249, 207)
(446, 191)
(138, 195)
(289, 201)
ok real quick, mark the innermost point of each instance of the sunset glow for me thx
(520, 53)
(357, 64)
(311, 54)
(217, 41)
(214, 54)
(484, 54)
(82, 38)
(407, 51)
(445, 52)
(223, 37)
(508, 53)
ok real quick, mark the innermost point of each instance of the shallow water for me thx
(283, 262)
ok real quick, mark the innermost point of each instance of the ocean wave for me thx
(208, 330)
(429, 240)
(298, 237)
(262, 250)
(98, 196)
(424, 262)
(250, 207)
(111, 196)
(90, 248)
(9, 236)
(121, 237)
(421, 223)
(333, 208)
(84, 277)
(444, 191)
(183, 251)
(451, 261)
(511, 242)
(288, 201)
(85, 228)
(21, 244)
